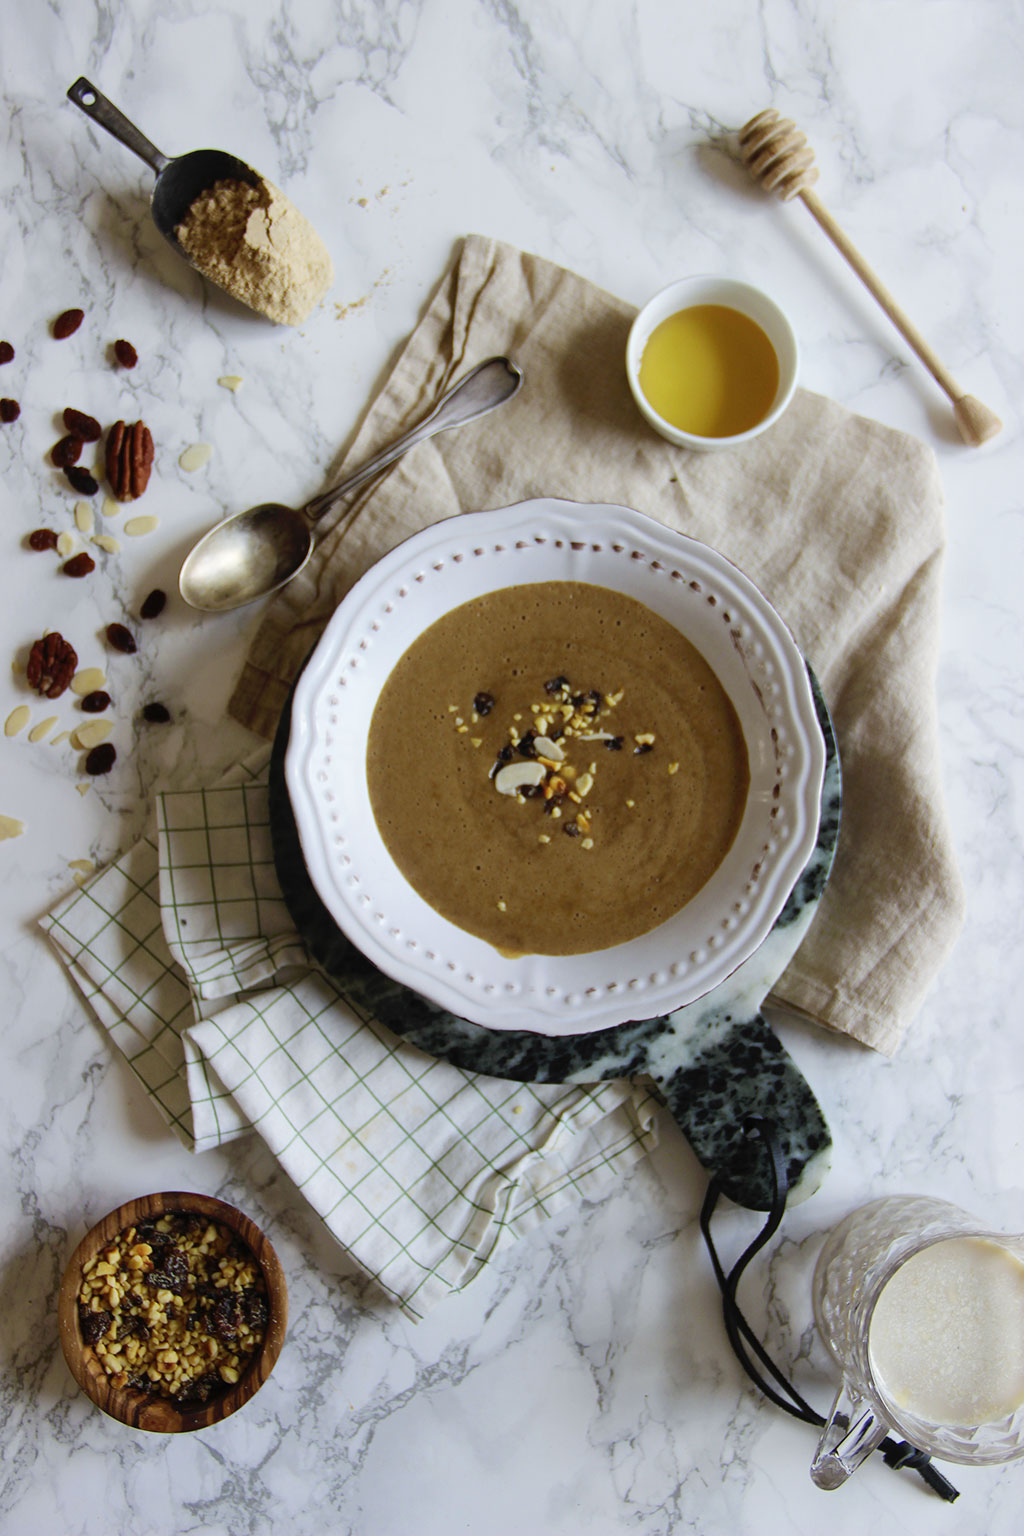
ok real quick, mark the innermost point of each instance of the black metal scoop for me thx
(179, 178)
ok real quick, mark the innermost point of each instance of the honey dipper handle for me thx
(976, 422)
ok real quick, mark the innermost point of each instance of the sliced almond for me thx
(516, 776)
(88, 736)
(106, 543)
(65, 543)
(43, 728)
(585, 783)
(135, 527)
(195, 457)
(111, 507)
(88, 680)
(545, 747)
(17, 720)
(84, 517)
(232, 381)
(10, 826)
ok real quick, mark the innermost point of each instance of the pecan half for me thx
(52, 664)
(129, 459)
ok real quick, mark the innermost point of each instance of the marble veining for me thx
(582, 1382)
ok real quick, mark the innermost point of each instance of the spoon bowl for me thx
(253, 553)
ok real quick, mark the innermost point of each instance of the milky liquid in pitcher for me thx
(946, 1341)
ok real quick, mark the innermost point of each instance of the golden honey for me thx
(710, 370)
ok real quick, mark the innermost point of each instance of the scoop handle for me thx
(95, 105)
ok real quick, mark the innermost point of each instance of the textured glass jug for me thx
(923, 1310)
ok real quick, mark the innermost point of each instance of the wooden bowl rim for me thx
(138, 1409)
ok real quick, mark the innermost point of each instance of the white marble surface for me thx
(582, 1383)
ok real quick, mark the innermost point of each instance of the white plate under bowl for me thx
(714, 605)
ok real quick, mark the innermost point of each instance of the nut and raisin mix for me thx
(175, 1306)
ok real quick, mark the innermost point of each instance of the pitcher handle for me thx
(853, 1430)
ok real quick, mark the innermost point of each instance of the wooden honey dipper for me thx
(777, 155)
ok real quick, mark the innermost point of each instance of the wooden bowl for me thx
(142, 1410)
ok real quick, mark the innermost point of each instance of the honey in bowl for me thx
(709, 370)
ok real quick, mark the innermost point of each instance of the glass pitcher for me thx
(923, 1310)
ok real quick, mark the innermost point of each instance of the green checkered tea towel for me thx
(185, 951)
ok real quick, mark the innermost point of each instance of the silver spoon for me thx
(179, 178)
(253, 553)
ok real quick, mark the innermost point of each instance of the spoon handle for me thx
(95, 105)
(479, 391)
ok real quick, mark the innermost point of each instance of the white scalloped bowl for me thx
(692, 586)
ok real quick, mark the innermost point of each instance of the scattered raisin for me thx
(67, 323)
(79, 565)
(504, 756)
(81, 480)
(121, 639)
(554, 803)
(156, 714)
(483, 703)
(153, 605)
(96, 702)
(42, 538)
(100, 760)
(525, 745)
(531, 791)
(83, 426)
(645, 746)
(67, 452)
(6, 352)
(556, 685)
(125, 354)
(10, 410)
(614, 743)
(571, 829)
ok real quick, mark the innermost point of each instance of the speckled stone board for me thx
(716, 1062)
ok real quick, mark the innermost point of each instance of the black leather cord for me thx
(745, 1343)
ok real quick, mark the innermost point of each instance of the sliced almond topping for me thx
(585, 783)
(545, 747)
(110, 506)
(105, 542)
(43, 728)
(65, 543)
(84, 518)
(515, 776)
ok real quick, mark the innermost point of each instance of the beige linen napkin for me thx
(838, 520)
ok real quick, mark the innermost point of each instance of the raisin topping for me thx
(645, 746)
(571, 829)
(531, 791)
(79, 565)
(483, 703)
(121, 639)
(554, 803)
(153, 605)
(83, 426)
(556, 684)
(81, 481)
(614, 743)
(505, 755)
(125, 354)
(156, 714)
(100, 760)
(96, 702)
(42, 538)
(525, 745)
(10, 410)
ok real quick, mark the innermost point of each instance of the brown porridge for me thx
(555, 768)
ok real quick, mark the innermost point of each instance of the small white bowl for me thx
(728, 291)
